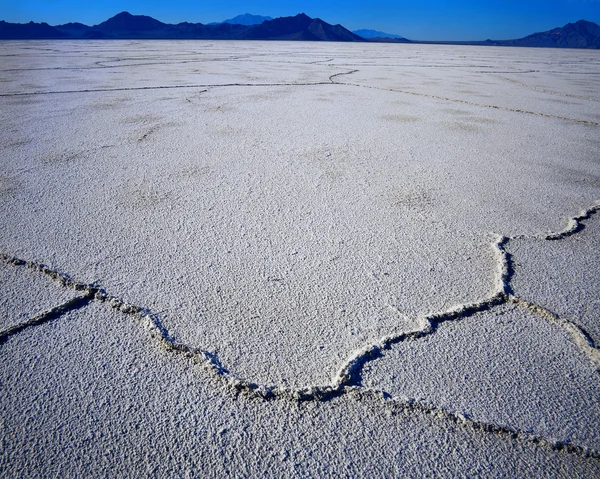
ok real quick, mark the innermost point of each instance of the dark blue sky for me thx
(420, 20)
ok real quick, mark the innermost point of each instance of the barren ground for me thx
(298, 259)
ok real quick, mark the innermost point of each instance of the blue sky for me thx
(420, 20)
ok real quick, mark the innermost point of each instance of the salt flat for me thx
(298, 259)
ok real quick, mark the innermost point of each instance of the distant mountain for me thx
(581, 34)
(125, 25)
(22, 31)
(368, 34)
(126, 22)
(79, 30)
(72, 27)
(122, 25)
(247, 19)
(128, 26)
(300, 27)
(388, 40)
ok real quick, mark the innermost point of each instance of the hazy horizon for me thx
(428, 20)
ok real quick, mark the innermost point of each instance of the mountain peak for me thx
(581, 34)
(587, 27)
(300, 27)
(125, 21)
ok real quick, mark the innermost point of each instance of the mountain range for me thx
(369, 34)
(582, 34)
(127, 26)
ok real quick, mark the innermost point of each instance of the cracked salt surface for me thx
(272, 221)
(504, 366)
(351, 229)
(87, 394)
(562, 276)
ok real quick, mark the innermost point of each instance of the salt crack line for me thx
(470, 103)
(579, 336)
(329, 81)
(343, 381)
(115, 63)
(351, 369)
(415, 404)
(160, 333)
(102, 90)
(349, 72)
(162, 87)
(61, 279)
(72, 304)
(317, 62)
(574, 225)
(504, 268)
(543, 90)
(349, 373)
(341, 384)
